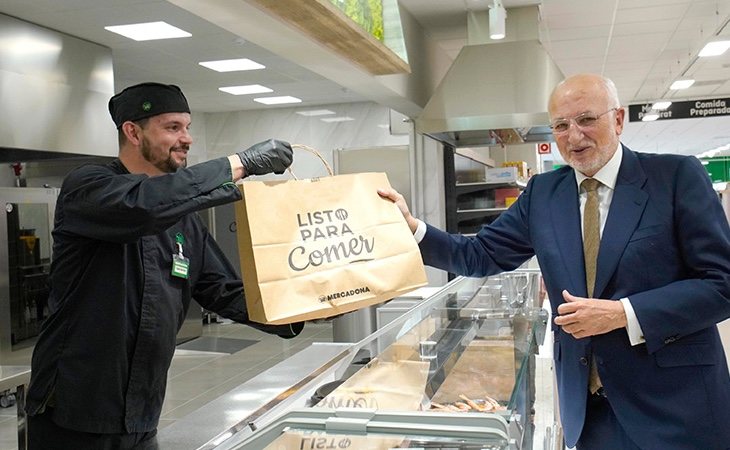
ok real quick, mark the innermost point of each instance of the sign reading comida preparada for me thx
(691, 109)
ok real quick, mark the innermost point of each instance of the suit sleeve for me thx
(701, 297)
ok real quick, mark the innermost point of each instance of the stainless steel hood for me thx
(54, 90)
(493, 93)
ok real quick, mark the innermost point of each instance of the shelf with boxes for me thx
(477, 192)
(478, 203)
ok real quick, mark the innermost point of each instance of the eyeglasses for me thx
(583, 121)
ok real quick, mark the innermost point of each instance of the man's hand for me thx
(393, 195)
(583, 317)
(266, 157)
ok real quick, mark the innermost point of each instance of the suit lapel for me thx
(565, 214)
(627, 206)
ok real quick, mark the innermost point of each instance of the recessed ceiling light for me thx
(277, 100)
(316, 112)
(232, 65)
(661, 106)
(337, 119)
(244, 90)
(650, 117)
(681, 84)
(714, 48)
(148, 31)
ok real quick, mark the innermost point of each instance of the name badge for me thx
(180, 266)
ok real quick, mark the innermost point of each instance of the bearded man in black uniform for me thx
(129, 254)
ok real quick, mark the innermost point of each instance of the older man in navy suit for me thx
(636, 262)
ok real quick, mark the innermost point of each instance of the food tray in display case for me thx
(461, 358)
(367, 429)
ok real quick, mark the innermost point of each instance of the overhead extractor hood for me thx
(492, 94)
(54, 90)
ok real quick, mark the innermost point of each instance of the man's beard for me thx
(167, 165)
(592, 165)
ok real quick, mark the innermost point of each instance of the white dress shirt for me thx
(607, 176)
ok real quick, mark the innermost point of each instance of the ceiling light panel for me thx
(232, 65)
(148, 31)
(277, 100)
(337, 119)
(714, 48)
(315, 112)
(681, 84)
(245, 90)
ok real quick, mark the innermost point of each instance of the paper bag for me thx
(320, 247)
(290, 440)
(385, 386)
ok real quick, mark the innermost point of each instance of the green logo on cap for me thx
(146, 106)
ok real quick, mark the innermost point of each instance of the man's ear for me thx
(133, 132)
(620, 115)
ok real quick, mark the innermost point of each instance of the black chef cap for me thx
(146, 100)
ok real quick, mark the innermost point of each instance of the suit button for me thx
(583, 360)
(670, 339)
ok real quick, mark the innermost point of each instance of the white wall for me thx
(517, 152)
(7, 176)
(228, 133)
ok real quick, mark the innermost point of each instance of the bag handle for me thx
(316, 153)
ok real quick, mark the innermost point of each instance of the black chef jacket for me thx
(115, 308)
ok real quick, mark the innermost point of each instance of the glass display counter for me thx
(455, 371)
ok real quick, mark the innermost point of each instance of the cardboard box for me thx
(501, 175)
(520, 165)
(501, 196)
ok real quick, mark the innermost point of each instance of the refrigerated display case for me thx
(455, 371)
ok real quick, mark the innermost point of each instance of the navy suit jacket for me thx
(665, 246)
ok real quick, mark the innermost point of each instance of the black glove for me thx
(266, 157)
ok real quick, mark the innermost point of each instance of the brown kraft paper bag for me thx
(382, 385)
(319, 247)
(310, 440)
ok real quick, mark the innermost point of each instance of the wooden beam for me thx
(325, 23)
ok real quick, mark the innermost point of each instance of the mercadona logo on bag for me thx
(326, 238)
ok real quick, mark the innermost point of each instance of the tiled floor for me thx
(197, 377)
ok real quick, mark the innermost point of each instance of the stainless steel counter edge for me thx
(205, 423)
(13, 376)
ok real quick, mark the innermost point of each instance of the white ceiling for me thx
(643, 45)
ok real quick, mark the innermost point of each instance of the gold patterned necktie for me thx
(591, 232)
(591, 242)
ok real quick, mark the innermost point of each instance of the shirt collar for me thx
(608, 174)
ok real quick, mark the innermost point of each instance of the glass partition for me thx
(466, 351)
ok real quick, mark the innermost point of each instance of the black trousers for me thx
(44, 434)
(602, 430)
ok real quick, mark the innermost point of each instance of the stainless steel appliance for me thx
(25, 255)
